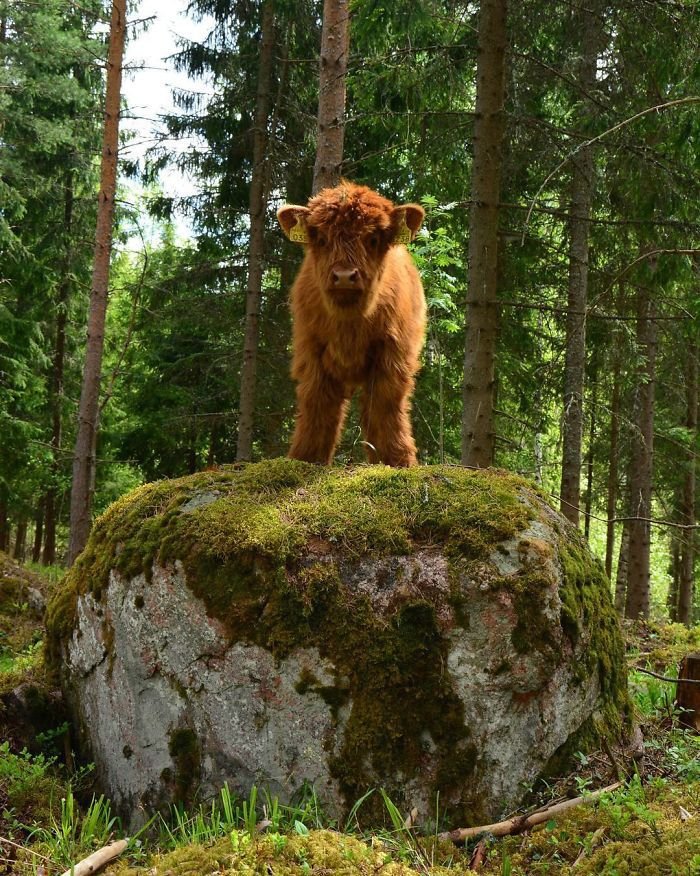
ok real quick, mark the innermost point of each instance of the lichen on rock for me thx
(430, 629)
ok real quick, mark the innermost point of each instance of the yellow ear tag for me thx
(298, 233)
(403, 235)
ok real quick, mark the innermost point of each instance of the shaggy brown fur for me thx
(359, 321)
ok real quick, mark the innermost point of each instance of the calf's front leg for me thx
(386, 421)
(321, 409)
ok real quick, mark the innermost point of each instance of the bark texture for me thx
(688, 695)
(85, 445)
(56, 384)
(20, 550)
(482, 311)
(641, 468)
(674, 571)
(4, 526)
(611, 505)
(575, 366)
(687, 555)
(256, 251)
(622, 570)
(38, 533)
(335, 44)
(589, 462)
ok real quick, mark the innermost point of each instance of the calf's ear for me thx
(293, 222)
(407, 220)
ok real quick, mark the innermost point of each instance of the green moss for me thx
(533, 629)
(185, 751)
(320, 852)
(635, 831)
(336, 696)
(586, 605)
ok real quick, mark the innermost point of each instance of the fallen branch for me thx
(666, 677)
(521, 823)
(97, 860)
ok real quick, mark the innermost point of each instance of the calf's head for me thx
(348, 231)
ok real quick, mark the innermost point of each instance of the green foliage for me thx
(440, 258)
(29, 790)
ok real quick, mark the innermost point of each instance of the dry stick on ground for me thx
(97, 860)
(521, 823)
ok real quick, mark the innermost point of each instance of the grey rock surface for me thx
(169, 703)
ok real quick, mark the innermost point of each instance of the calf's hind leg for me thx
(321, 409)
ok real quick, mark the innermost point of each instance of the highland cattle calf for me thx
(358, 313)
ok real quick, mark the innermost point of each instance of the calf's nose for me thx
(345, 278)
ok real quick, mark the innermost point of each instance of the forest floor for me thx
(50, 819)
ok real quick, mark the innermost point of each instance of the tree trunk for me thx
(38, 533)
(641, 470)
(688, 695)
(478, 437)
(256, 250)
(56, 384)
(4, 525)
(611, 505)
(589, 464)
(84, 456)
(335, 46)
(583, 184)
(622, 570)
(20, 550)
(687, 559)
(674, 572)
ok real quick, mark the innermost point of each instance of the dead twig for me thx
(97, 860)
(9, 842)
(521, 823)
(666, 677)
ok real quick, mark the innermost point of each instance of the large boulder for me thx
(425, 630)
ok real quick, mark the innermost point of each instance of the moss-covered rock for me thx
(430, 630)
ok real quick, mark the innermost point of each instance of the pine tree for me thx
(84, 460)
(335, 46)
(482, 313)
(256, 245)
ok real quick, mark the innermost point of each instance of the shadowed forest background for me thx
(597, 269)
